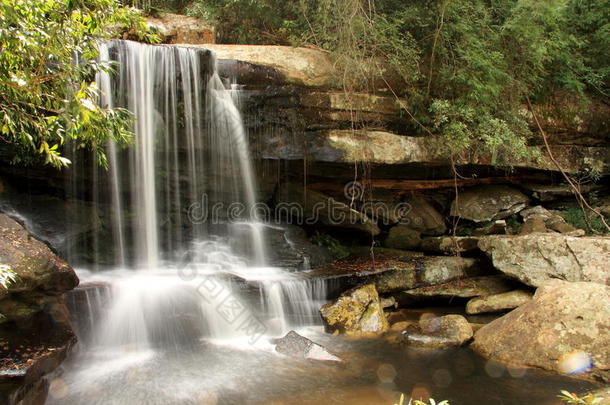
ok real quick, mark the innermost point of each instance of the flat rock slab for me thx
(295, 345)
(465, 288)
(537, 258)
(498, 302)
(564, 328)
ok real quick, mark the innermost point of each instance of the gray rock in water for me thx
(498, 302)
(295, 345)
(488, 203)
(356, 312)
(564, 328)
(538, 258)
(439, 332)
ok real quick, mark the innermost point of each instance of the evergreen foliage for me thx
(47, 67)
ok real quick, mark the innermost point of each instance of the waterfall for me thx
(172, 279)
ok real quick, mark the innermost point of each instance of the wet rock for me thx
(488, 203)
(537, 258)
(356, 312)
(498, 302)
(295, 345)
(289, 247)
(312, 206)
(426, 271)
(403, 237)
(36, 267)
(439, 332)
(564, 328)
(449, 245)
(466, 288)
(182, 29)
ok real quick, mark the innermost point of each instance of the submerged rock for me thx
(439, 332)
(488, 203)
(564, 328)
(537, 258)
(498, 302)
(295, 345)
(356, 312)
(466, 288)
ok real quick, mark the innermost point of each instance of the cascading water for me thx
(174, 279)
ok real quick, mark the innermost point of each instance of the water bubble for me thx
(575, 362)
(442, 378)
(495, 369)
(58, 389)
(386, 373)
(516, 372)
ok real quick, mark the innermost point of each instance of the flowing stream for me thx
(177, 302)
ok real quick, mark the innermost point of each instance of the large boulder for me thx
(356, 312)
(537, 258)
(438, 332)
(488, 203)
(498, 302)
(35, 266)
(295, 345)
(564, 328)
